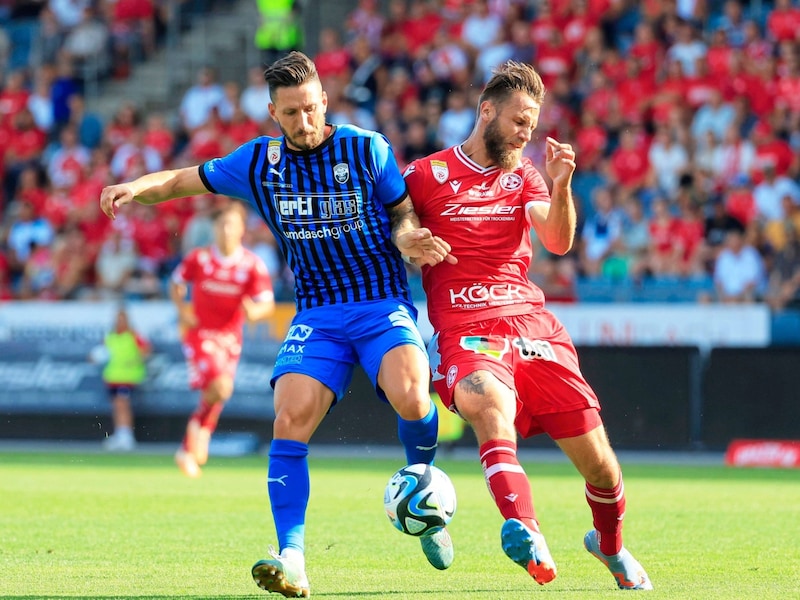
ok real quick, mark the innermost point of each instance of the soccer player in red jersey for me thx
(499, 358)
(229, 284)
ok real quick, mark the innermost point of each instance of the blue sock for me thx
(419, 438)
(289, 488)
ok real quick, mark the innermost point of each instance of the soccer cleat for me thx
(438, 548)
(187, 463)
(202, 439)
(528, 549)
(282, 574)
(626, 570)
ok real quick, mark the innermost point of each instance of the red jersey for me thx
(219, 283)
(482, 212)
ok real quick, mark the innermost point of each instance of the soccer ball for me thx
(419, 499)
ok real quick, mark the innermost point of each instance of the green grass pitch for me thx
(108, 526)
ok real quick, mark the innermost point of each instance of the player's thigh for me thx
(592, 455)
(487, 403)
(403, 378)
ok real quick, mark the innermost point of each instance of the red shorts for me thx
(210, 353)
(531, 354)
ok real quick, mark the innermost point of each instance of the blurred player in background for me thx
(498, 356)
(336, 202)
(124, 353)
(215, 289)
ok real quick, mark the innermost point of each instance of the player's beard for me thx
(301, 141)
(497, 148)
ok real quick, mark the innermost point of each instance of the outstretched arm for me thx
(152, 189)
(414, 241)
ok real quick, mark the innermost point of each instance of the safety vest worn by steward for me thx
(278, 29)
(125, 361)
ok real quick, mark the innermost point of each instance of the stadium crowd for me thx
(685, 116)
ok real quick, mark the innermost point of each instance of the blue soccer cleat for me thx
(626, 570)
(438, 548)
(529, 550)
(283, 574)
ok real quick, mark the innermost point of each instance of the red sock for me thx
(507, 481)
(608, 509)
(207, 414)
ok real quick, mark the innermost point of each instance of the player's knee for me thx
(219, 390)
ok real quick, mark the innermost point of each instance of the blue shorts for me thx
(327, 342)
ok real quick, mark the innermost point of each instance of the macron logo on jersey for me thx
(455, 186)
(409, 170)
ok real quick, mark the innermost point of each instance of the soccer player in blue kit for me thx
(338, 206)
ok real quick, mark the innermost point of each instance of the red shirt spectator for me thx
(739, 201)
(554, 58)
(591, 139)
(332, 60)
(635, 93)
(13, 97)
(152, 237)
(700, 86)
(647, 50)
(719, 55)
(629, 165)
(783, 22)
(771, 150)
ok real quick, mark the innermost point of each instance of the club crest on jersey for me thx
(274, 152)
(341, 172)
(439, 170)
(452, 373)
(510, 182)
(496, 347)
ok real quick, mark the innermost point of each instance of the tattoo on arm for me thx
(401, 216)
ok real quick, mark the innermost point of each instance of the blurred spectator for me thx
(739, 201)
(717, 224)
(784, 278)
(687, 48)
(733, 157)
(200, 100)
(739, 271)
(255, 98)
(24, 149)
(67, 163)
(280, 29)
(783, 22)
(772, 152)
(456, 121)
(333, 59)
(600, 231)
(482, 28)
(87, 46)
(40, 102)
(366, 21)
(628, 166)
(68, 13)
(159, 136)
(368, 75)
(134, 157)
(732, 22)
(132, 27)
(663, 257)
(769, 194)
(89, 126)
(199, 229)
(668, 161)
(26, 231)
(714, 115)
(115, 266)
(13, 95)
(122, 127)
(628, 258)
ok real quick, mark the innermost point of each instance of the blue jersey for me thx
(327, 210)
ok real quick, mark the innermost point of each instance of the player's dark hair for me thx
(292, 70)
(512, 77)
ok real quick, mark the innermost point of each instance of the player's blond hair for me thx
(292, 70)
(510, 77)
